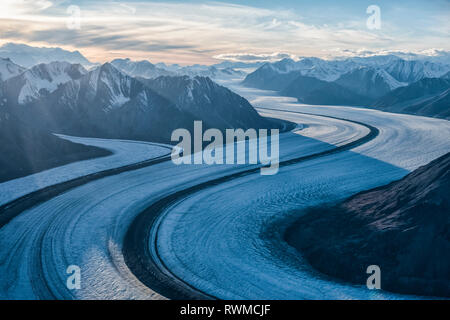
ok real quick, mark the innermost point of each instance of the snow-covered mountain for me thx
(352, 81)
(312, 67)
(207, 71)
(403, 70)
(277, 75)
(106, 102)
(28, 56)
(406, 71)
(9, 69)
(41, 80)
(432, 55)
(143, 68)
(216, 105)
(356, 87)
(412, 71)
(369, 82)
(100, 91)
(380, 61)
(238, 65)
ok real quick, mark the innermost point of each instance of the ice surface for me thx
(217, 240)
(227, 240)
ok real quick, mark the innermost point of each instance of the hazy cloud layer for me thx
(204, 32)
(252, 57)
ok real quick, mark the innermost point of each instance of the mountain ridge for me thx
(28, 56)
(105, 102)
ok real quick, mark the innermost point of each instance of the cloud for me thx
(251, 57)
(190, 32)
(415, 54)
(11, 8)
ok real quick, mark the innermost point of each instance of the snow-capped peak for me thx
(43, 79)
(28, 56)
(9, 69)
(143, 68)
(110, 85)
(390, 80)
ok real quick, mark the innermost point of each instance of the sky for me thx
(206, 32)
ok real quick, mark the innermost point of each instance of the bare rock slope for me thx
(403, 227)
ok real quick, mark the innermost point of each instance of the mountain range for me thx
(28, 56)
(145, 69)
(372, 81)
(41, 80)
(106, 102)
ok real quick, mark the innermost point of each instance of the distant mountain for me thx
(412, 71)
(28, 56)
(9, 69)
(357, 81)
(427, 97)
(143, 68)
(326, 70)
(207, 71)
(25, 149)
(402, 71)
(314, 91)
(238, 65)
(377, 61)
(403, 227)
(278, 75)
(357, 87)
(41, 80)
(369, 82)
(218, 106)
(432, 55)
(230, 72)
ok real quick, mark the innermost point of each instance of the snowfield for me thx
(225, 240)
